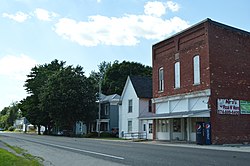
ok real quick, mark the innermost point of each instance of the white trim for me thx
(125, 88)
(161, 79)
(177, 75)
(196, 69)
(103, 120)
(206, 92)
(192, 115)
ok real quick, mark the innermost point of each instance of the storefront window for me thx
(162, 126)
(177, 125)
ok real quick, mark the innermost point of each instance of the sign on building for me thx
(228, 106)
(244, 107)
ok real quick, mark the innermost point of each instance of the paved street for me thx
(83, 151)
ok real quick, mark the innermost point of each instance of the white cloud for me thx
(173, 6)
(16, 67)
(39, 13)
(19, 16)
(98, 1)
(44, 15)
(154, 8)
(126, 30)
(122, 31)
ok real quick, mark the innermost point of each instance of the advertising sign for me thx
(228, 106)
(200, 139)
(208, 133)
(244, 107)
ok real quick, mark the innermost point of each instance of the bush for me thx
(11, 128)
(91, 135)
(105, 135)
(102, 135)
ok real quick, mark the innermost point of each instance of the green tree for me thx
(30, 110)
(116, 75)
(34, 85)
(96, 77)
(68, 96)
(3, 121)
(4, 111)
(8, 115)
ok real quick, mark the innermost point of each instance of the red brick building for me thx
(202, 74)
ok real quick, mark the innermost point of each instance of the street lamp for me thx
(99, 112)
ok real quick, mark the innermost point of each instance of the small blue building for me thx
(109, 114)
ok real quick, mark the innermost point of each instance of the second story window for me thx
(196, 63)
(161, 80)
(106, 109)
(177, 82)
(149, 106)
(130, 105)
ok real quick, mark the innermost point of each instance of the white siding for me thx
(198, 103)
(162, 108)
(182, 105)
(124, 116)
(143, 106)
(146, 133)
(179, 105)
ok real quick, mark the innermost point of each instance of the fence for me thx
(135, 135)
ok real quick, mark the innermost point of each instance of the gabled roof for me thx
(110, 98)
(142, 86)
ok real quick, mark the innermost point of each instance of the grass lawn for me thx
(10, 159)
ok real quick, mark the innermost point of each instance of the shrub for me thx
(105, 134)
(11, 128)
(91, 135)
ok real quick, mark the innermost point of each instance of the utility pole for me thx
(99, 112)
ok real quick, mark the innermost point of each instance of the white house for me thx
(21, 124)
(80, 128)
(135, 102)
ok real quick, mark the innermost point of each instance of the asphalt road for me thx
(83, 151)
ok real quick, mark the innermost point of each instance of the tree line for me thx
(61, 95)
(8, 115)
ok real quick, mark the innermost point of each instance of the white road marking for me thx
(81, 150)
(85, 151)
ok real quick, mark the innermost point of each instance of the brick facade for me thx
(224, 69)
(185, 45)
(229, 54)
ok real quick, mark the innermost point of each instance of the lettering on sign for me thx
(228, 106)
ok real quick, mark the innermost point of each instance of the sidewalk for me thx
(225, 147)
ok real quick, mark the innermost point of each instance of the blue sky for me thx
(88, 32)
